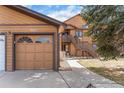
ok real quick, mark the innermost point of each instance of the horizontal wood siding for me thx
(9, 50)
(11, 30)
(10, 17)
(77, 21)
(28, 28)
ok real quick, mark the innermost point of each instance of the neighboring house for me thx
(73, 39)
(28, 40)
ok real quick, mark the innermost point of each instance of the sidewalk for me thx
(82, 77)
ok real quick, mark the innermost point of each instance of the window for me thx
(85, 26)
(24, 39)
(79, 33)
(42, 40)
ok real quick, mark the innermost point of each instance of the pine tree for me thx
(106, 27)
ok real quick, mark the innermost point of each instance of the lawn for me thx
(112, 69)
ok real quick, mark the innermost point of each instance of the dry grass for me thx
(112, 69)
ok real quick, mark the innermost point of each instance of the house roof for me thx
(35, 14)
(73, 25)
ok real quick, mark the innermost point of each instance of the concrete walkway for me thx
(82, 77)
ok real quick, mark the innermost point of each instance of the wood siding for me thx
(76, 21)
(10, 17)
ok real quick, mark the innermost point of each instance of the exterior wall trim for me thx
(55, 66)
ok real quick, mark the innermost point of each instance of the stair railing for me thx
(83, 46)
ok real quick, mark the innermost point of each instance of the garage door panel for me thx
(29, 56)
(24, 65)
(39, 48)
(20, 65)
(20, 48)
(48, 47)
(48, 65)
(48, 56)
(34, 55)
(39, 65)
(20, 56)
(2, 52)
(29, 64)
(39, 57)
(30, 48)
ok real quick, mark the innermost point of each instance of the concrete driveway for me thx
(32, 79)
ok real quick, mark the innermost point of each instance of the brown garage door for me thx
(34, 52)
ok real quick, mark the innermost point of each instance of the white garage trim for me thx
(2, 52)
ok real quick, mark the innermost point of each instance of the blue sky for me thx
(59, 12)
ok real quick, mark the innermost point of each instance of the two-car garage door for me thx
(34, 52)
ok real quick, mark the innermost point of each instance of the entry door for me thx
(2, 52)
